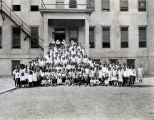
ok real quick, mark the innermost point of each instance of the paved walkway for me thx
(6, 84)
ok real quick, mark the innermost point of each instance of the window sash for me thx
(106, 37)
(105, 4)
(91, 37)
(91, 4)
(34, 37)
(123, 5)
(142, 5)
(0, 37)
(16, 37)
(34, 7)
(106, 34)
(142, 34)
(72, 4)
(124, 34)
(16, 7)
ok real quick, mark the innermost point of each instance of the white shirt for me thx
(30, 78)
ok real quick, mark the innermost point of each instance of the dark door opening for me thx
(15, 63)
(59, 34)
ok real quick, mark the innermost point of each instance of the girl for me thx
(34, 78)
(114, 77)
(30, 78)
(120, 77)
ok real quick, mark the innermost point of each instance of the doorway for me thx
(59, 34)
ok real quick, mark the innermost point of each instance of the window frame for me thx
(14, 8)
(13, 37)
(145, 37)
(1, 36)
(140, 9)
(109, 37)
(76, 5)
(105, 10)
(34, 6)
(94, 44)
(36, 47)
(121, 42)
(124, 10)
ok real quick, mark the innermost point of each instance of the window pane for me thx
(124, 37)
(106, 37)
(123, 5)
(142, 37)
(16, 37)
(91, 37)
(0, 37)
(91, 4)
(105, 5)
(34, 8)
(142, 5)
(35, 37)
(16, 8)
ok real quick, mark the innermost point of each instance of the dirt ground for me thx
(78, 103)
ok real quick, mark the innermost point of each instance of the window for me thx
(97, 61)
(15, 63)
(124, 37)
(91, 37)
(0, 37)
(34, 7)
(90, 4)
(141, 5)
(60, 4)
(113, 61)
(142, 37)
(34, 37)
(106, 37)
(73, 34)
(16, 37)
(72, 4)
(131, 62)
(16, 7)
(105, 5)
(123, 5)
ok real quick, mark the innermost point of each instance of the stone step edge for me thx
(7, 90)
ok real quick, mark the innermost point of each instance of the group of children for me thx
(67, 64)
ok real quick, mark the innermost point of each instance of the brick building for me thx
(110, 30)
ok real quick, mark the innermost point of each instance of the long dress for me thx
(120, 78)
(114, 75)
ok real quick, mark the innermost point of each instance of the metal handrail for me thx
(11, 14)
(5, 8)
(43, 5)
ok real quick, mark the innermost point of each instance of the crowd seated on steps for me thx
(67, 64)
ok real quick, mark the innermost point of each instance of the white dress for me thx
(120, 79)
(114, 75)
(30, 78)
